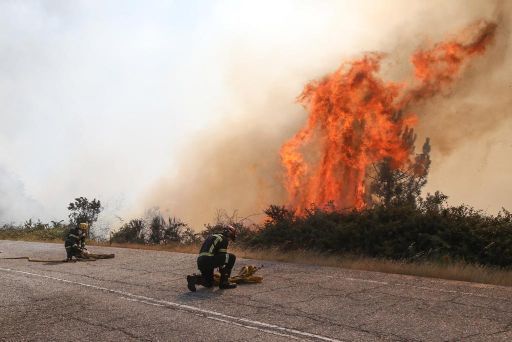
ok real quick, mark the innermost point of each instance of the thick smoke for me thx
(85, 100)
(15, 205)
(480, 101)
(470, 126)
(234, 165)
(96, 101)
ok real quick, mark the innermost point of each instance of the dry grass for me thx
(448, 270)
(180, 248)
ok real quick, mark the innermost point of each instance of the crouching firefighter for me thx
(75, 242)
(214, 254)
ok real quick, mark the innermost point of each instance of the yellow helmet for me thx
(84, 226)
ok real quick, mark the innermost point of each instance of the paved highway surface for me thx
(142, 296)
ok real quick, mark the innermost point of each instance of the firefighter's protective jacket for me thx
(213, 245)
(75, 239)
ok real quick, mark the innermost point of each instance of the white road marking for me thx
(265, 330)
(366, 280)
(215, 318)
(209, 314)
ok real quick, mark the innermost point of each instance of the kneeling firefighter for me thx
(214, 254)
(75, 241)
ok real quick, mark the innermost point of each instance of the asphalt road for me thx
(142, 296)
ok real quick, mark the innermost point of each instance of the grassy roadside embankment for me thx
(459, 271)
(36, 234)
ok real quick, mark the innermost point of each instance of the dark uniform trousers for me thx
(206, 264)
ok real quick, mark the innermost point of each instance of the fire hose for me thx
(83, 257)
(244, 276)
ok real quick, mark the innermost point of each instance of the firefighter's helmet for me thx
(230, 232)
(84, 226)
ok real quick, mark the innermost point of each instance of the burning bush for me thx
(356, 121)
(355, 160)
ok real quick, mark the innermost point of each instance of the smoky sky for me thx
(93, 97)
(184, 105)
(235, 164)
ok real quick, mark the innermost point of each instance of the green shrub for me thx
(430, 230)
(132, 231)
(34, 231)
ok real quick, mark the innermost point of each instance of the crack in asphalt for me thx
(322, 319)
(478, 334)
(240, 321)
(482, 307)
(455, 303)
(110, 328)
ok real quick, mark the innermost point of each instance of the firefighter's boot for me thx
(224, 280)
(200, 280)
(191, 282)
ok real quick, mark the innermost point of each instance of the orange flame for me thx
(357, 119)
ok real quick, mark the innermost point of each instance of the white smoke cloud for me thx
(15, 204)
(95, 96)
(184, 105)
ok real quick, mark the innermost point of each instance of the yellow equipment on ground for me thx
(244, 276)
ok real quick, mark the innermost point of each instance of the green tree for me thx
(396, 187)
(84, 211)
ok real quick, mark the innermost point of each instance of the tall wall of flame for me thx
(235, 163)
(356, 119)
